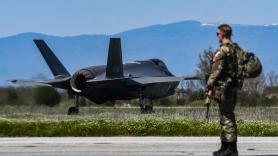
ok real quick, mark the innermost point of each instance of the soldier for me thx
(222, 87)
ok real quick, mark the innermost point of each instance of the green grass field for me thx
(132, 127)
(119, 121)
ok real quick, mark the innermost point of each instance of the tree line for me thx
(260, 91)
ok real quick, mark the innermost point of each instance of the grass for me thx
(132, 127)
(267, 114)
(19, 121)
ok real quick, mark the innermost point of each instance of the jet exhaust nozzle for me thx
(78, 80)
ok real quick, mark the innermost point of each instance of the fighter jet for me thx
(145, 79)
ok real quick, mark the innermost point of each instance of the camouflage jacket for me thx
(223, 69)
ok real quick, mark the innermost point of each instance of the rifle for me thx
(208, 99)
(193, 78)
(207, 105)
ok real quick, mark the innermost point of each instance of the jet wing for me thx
(152, 80)
(63, 83)
(138, 81)
(29, 82)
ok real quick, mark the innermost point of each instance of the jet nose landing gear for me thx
(148, 109)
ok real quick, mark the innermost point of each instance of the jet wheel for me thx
(148, 109)
(73, 111)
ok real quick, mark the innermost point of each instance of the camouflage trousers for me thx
(226, 99)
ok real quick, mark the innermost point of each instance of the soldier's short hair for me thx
(226, 30)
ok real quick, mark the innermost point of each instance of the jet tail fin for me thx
(114, 67)
(56, 67)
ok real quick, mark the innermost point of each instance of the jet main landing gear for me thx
(75, 109)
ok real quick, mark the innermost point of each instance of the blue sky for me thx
(73, 17)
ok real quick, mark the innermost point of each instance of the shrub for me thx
(47, 96)
(196, 95)
(9, 96)
(255, 99)
(181, 102)
(167, 102)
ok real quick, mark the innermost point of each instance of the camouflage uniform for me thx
(222, 81)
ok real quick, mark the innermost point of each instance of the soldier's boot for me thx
(223, 147)
(231, 150)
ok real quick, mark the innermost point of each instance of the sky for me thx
(75, 17)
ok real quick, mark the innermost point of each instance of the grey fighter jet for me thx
(146, 79)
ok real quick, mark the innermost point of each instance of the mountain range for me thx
(177, 44)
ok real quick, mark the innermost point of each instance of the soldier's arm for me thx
(217, 67)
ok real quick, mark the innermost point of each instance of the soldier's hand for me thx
(210, 93)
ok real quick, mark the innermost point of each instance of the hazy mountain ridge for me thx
(178, 44)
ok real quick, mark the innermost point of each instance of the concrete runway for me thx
(131, 146)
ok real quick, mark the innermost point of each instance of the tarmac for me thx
(132, 146)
